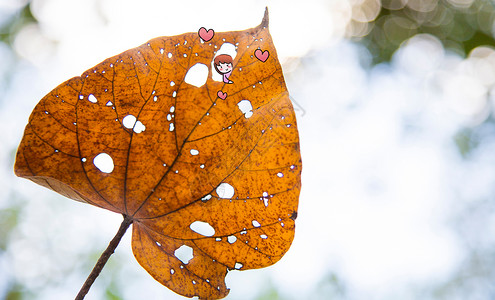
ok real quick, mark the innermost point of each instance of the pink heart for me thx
(221, 95)
(261, 55)
(206, 35)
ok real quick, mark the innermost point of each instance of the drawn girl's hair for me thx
(222, 58)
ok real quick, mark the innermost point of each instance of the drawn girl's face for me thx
(224, 67)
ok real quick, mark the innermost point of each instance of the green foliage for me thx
(15, 23)
(460, 29)
(9, 219)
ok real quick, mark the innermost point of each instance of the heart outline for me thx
(261, 55)
(206, 35)
(221, 95)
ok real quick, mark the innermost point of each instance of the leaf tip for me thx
(265, 21)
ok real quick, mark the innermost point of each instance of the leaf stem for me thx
(104, 258)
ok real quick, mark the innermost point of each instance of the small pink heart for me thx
(206, 35)
(261, 55)
(221, 95)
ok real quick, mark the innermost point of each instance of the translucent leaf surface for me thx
(206, 165)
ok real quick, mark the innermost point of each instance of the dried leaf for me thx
(206, 162)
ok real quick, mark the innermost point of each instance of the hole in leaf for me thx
(197, 75)
(194, 152)
(231, 239)
(129, 121)
(225, 191)
(246, 108)
(256, 223)
(203, 228)
(139, 127)
(92, 98)
(263, 236)
(104, 162)
(206, 198)
(238, 265)
(184, 254)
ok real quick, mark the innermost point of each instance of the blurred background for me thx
(394, 100)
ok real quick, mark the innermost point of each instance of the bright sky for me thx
(380, 172)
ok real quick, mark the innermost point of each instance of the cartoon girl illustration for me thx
(223, 65)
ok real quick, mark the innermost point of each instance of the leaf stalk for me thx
(104, 258)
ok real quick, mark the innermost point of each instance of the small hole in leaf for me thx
(225, 191)
(129, 121)
(238, 265)
(231, 239)
(263, 236)
(280, 174)
(169, 55)
(104, 162)
(171, 127)
(194, 152)
(197, 75)
(184, 253)
(206, 198)
(202, 166)
(246, 108)
(172, 83)
(218, 239)
(155, 98)
(203, 228)
(256, 223)
(172, 271)
(92, 98)
(109, 103)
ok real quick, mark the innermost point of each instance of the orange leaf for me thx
(210, 181)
